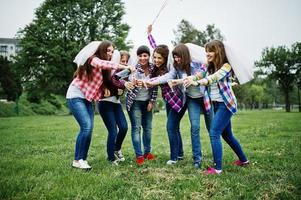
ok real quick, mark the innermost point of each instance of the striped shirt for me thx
(131, 94)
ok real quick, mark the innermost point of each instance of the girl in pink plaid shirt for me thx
(85, 88)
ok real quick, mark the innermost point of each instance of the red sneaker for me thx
(149, 156)
(212, 170)
(241, 164)
(140, 160)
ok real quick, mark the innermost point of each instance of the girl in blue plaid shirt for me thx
(224, 103)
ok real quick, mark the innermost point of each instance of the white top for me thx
(112, 99)
(214, 93)
(74, 92)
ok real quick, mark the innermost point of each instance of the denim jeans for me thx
(195, 108)
(83, 112)
(139, 116)
(173, 130)
(221, 125)
(115, 122)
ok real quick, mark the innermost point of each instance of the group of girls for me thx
(186, 85)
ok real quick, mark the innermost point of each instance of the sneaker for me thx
(85, 161)
(241, 164)
(115, 162)
(140, 160)
(180, 157)
(149, 156)
(212, 170)
(197, 165)
(119, 156)
(75, 164)
(81, 164)
(171, 162)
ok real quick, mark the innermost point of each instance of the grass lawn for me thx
(36, 154)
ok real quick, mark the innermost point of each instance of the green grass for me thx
(36, 154)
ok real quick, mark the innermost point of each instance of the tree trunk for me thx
(299, 100)
(287, 101)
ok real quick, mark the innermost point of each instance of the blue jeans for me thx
(221, 125)
(113, 118)
(173, 130)
(83, 112)
(139, 116)
(195, 108)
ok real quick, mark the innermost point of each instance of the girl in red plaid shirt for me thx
(85, 88)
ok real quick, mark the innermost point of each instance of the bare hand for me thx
(120, 92)
(189, 81)
(106, 93)
(149, 29)
(129, 85)
(131, 68)
(203, 81)
(151, 83)
(139, 83)
(150, 106)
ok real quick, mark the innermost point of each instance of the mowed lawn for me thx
(37, 151)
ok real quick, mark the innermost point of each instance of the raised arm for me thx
(150, 38)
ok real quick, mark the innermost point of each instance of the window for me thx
(3, 48)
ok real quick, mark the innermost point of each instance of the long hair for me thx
(182, 51)
(86, 69)
(218, 48)
(164, 52)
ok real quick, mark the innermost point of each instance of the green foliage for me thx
(186, 32)
(61, 28)
(9, 82)
(37, 151)
(282, 65)
(54, 105)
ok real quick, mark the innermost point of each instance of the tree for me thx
(61, 28)
(279, 65)
(186, 32)
(296, 49)
(10, 83)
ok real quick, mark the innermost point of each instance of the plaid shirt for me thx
(151, 41)
(223, 79)
(91, 89)
(173, 98)
(131, 94)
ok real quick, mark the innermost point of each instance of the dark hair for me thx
(143, 49)
(182, 51)
(101, 53)
(218, 48)
(164, 52)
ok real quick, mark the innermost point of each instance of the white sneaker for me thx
(85, 161)
(119, 156)
(84, 164)
(115, 163)
(75, 164)
(171, 162)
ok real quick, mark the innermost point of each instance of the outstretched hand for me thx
(151, 83)
(149, 29)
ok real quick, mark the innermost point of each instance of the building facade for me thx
(9, 47)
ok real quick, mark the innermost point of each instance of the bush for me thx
(56, 105)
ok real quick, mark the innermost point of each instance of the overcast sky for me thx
(249, 25)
